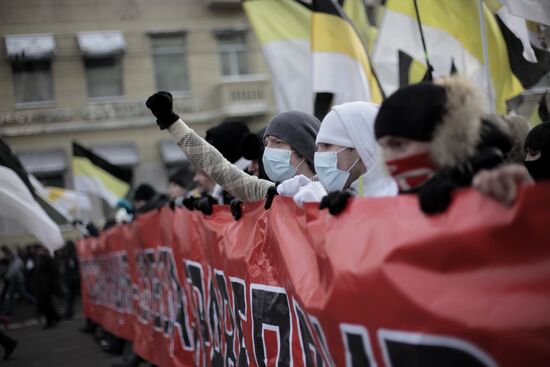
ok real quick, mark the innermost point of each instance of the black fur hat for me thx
(447, 113)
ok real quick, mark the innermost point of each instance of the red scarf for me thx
(411, 172)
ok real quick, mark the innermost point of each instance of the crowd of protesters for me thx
(427, 139)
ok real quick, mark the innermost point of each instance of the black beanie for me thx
(539, 139)
(144, 192)
(252, 147)
(412, 112)
(227, 138)
(298, 129)
(184, 176)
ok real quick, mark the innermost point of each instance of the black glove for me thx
(271, 192)
(335, 202)
(204, 204)
(435, 195)
(189, 203)
(236, 209)
(160, 105)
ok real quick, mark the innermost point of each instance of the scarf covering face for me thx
(412, 172)
(352, 125)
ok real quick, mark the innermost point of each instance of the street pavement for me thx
(63, 346)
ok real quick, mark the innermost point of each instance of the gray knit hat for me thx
(298, 129)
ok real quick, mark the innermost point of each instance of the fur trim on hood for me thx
(519, 128)
(455, 138)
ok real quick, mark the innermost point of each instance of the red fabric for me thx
(383, 282)
(412, 171)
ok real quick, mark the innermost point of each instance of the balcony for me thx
(244, 96)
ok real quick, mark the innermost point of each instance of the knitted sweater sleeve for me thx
(207, 158)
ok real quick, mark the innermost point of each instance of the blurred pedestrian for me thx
(71, 278)
(15, 276)
(252, 148)
(47, 279)
(146, 198)
(181, 182)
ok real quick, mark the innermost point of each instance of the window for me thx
(32, 81)
(31, 56)
(170, 62)
(233, 53)
(104, 76)
(102, 52)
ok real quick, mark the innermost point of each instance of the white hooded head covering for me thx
(352, 125)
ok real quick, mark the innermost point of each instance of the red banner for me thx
(379, 285)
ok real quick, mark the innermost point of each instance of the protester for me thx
(4, 265)
(205, 186)
(252, 148)
(289, 140)
(71, 278)
(226, 138)
(347, 159)
(146, 198)
(519, 128)
(16, 278)
(435, 140)
(537, 148)
(47, 278)
(8, 344)
(502, 184)
(181, 182)
(124, 211)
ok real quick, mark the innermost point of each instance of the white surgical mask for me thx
(328, 173)
(277, 164)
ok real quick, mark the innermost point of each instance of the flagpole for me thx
(486, 58)
(430, 68)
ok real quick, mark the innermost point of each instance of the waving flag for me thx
(314, 50)
(341, 65)
(19, 204)
(453, 38)
(283, 29)
(95, 175)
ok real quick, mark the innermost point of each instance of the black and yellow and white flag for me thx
(283, 29)
(453, 38)
(311, 47)
(94, 175)
(20, 204)
(529, 58)
(341, 65)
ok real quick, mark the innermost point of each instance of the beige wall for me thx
(70, 118)
(134, 18)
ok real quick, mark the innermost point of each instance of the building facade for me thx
(81, 70)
